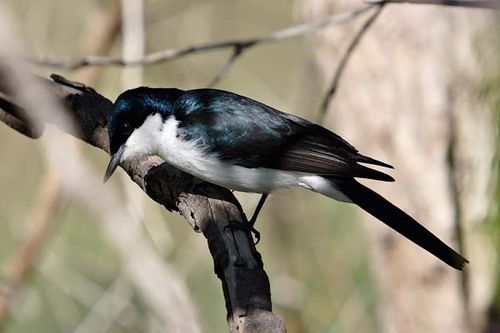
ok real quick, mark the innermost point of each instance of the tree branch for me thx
(236, 53)
(242, 45)
(344, 60)
(208, 208)
(15, 117)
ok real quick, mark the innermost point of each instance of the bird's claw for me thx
(247, 227)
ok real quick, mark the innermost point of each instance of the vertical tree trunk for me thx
(410, 98)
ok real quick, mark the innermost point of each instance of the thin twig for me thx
(237, 52)
(492, 4)
(344, 60)
(169, 54)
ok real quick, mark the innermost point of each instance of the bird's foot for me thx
(247, 227)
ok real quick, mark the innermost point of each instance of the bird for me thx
(244, 145)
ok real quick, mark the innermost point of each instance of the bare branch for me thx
(344, 60)
(169, 54)
(15, 117)
(237, 51)
(7, 111)
(491, 4)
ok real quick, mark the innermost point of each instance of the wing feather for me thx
(250, 134)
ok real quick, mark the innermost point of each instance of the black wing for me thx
(250, 134)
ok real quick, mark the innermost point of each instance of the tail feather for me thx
(368, 160)
(364, 172)
(398, 220)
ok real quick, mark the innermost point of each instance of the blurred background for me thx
(421, 92)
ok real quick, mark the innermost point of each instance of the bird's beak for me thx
(113, 164)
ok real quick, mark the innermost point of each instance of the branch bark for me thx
(208, 209)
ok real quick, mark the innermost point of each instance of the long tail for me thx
(398, 220)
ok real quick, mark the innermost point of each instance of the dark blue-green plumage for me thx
(248, 133)
(244, 132)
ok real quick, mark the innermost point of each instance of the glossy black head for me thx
(130, 111)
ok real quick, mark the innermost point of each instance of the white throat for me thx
(144, 140)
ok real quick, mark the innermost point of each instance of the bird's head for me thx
(137, 118)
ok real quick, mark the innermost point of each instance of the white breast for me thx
(191, 157)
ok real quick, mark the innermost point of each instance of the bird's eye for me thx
(127, 128)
